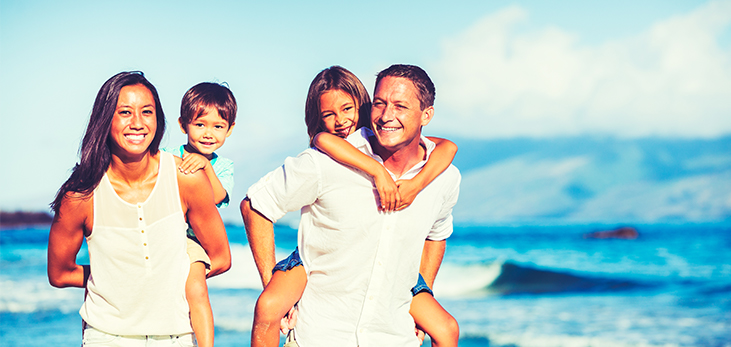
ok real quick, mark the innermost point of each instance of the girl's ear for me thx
(182, 127)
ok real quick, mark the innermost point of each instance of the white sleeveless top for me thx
(139, 263)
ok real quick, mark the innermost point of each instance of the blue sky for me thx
(503, 69)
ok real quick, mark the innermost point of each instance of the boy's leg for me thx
(282, 292)
(431, 317)
(201, 314)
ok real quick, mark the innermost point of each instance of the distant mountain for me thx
(594, 180)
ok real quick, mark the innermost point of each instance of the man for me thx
(360, 262)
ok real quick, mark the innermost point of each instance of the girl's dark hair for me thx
(204, 95)
(95, 152)
(335, 78)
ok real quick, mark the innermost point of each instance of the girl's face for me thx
(339, 112)
(134, 122)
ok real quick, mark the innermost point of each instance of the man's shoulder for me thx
(452, 174)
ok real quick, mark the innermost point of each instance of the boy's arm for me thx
(203, 217)
(439, 160)
(343, 152)
(260, 233)
(193, 162)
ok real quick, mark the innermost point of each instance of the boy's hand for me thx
(193, 162)
(408, 189)
(388, 192)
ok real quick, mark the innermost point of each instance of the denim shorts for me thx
(421, 287)
(289, 263)
(93, 337)
(294, 260)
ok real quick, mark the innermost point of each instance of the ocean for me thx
(517, 286)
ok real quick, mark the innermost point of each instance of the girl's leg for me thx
(282, 292)
(201, 314)
(431, 317)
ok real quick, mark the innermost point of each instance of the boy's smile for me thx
(207, 133)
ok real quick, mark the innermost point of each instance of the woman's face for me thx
(339, 112)
(134, 122)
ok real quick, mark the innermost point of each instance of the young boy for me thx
(207, 116)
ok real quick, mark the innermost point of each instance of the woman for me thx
(130, 203)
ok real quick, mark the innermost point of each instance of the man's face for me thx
(396, 116)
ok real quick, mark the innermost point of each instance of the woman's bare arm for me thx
(197, 196)
(69, 226)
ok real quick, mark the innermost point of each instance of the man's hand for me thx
(419, 335)
(290, 320)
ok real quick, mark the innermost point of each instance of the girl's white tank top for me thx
(139, 263)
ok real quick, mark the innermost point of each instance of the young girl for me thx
(337, 105)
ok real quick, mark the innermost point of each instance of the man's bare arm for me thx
(260, 233)
(431, 260)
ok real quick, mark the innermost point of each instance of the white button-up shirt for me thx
(360, 263)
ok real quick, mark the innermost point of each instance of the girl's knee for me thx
(450, 331)
(269, 307)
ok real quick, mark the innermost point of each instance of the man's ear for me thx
(182, 127)
(230, 129)
(426, 115)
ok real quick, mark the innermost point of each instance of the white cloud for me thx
(498, 80)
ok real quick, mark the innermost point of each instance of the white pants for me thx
(94, 337)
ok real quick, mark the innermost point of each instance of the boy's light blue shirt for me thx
(223, 167)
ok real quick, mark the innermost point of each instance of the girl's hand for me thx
(408, 189)
(388, 192)
(193, 162)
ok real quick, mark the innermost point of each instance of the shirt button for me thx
(370, 297)
(143, 231)
(140, 218)
(144, 244)
(147, 257)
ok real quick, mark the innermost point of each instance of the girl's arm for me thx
(439, 160)
(343, 152)
(64, 241)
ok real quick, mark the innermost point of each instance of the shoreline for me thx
(9, 220)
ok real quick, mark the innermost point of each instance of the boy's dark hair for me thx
(416, 75)
(95, 152)
(208, 95)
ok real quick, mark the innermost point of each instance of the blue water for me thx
(507, 286)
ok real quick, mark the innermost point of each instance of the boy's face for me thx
(208, 132)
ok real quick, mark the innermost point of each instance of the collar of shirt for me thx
(359, 140)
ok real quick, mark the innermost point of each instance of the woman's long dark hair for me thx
(335, 78)
(95, 153)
